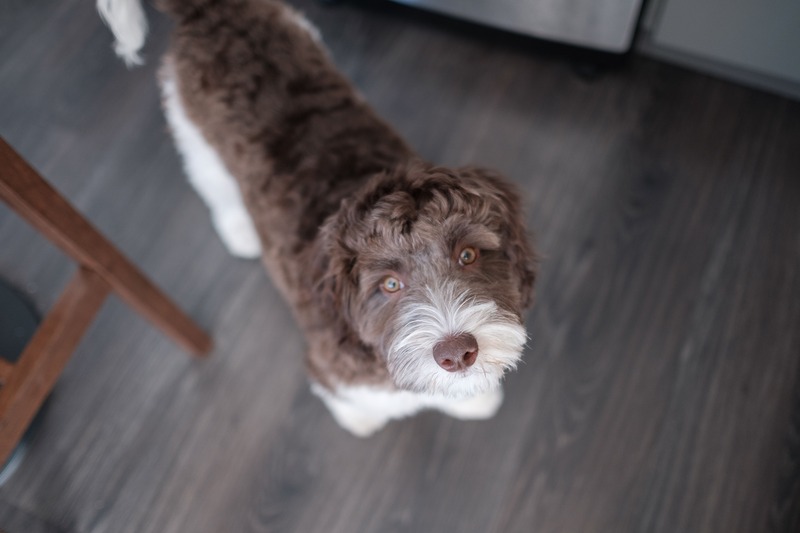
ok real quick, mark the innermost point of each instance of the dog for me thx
(408, 279)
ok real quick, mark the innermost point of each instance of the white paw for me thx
(476, 408)
(359, 418)
(237, 232)
(359, 424)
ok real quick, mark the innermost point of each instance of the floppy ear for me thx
(334, 296)
(518, 243)
(337, 279)
(522, 256)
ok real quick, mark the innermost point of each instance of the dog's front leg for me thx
(363, 410)
(478, 407)
(354, 408)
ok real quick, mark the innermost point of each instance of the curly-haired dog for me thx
(409, 280)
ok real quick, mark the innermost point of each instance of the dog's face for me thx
(432, 269)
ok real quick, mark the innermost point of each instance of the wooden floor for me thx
(661, 388)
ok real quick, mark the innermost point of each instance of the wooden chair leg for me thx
(34, 375)
(28, 382)
(36, 201)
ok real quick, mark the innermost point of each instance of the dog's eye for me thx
(467, 256)
(391, 284)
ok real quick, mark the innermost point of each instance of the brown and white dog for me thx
(409, 280)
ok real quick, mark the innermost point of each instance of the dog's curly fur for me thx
(340, 201)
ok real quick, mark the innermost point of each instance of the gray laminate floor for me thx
(660, 389)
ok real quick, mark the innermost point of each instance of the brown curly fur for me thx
(336, 195)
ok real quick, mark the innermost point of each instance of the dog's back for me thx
(266, 96)
(253, 77)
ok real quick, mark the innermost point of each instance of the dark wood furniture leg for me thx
(103, 269)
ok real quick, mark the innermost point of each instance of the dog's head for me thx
(432, 268)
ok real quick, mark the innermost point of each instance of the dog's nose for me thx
(456, 352)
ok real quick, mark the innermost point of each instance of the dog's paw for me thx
(359, 424)
(478, 407)
(237, 232)
(360, 419)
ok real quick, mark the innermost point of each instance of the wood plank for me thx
(16, 520)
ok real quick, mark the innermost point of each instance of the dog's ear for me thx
(336, 290)
(518, 242)
(335, 295)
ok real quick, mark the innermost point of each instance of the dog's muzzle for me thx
(448, 342)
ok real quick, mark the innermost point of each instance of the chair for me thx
(102, 269)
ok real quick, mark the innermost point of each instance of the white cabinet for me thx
(754, 41)
(606, 25)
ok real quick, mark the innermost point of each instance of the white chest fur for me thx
(363, 410)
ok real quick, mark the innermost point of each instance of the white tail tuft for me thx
(126, 19)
